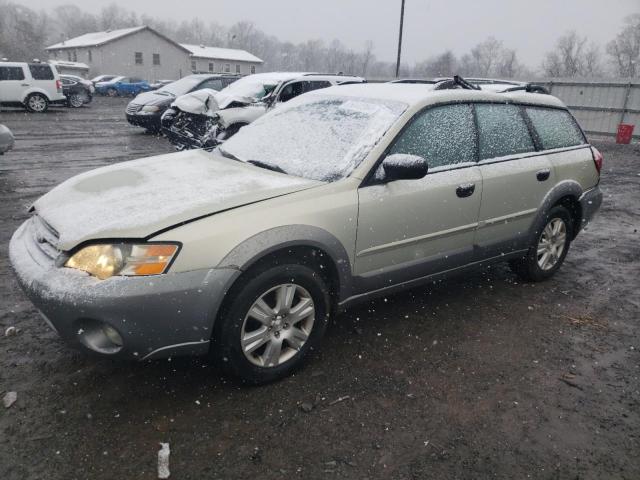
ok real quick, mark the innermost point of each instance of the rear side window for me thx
(317, 84)
(555, 128)
(41, 72)
(11, 73)
(441, 135)
(502, 131)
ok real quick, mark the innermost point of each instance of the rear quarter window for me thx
(41, 72)
(11, 73)
(555, 128)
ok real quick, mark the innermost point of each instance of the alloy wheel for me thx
(76, 100)
(551, 244)
(37, 103)
(277, 325)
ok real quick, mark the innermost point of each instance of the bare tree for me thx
(624, 50)
(367, 57)
(572, 57)
(443, 65)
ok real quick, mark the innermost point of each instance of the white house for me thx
(145, 53)
(222, 60)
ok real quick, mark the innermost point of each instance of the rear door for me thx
(515, 178)
(13, 83)
(412, 228)
(43, 78)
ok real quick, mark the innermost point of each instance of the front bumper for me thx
(156, 316)
(146, 121)
(590, 202)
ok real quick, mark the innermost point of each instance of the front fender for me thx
(247, 253)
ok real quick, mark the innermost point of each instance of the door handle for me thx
(543, 175)
(25, 85)
(465, 190)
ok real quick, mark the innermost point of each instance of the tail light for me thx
(58, 85)
(597, 159)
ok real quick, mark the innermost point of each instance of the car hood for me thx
(153, 98)
(139, 198)
(208, 101)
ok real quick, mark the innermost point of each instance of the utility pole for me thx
(400, 39)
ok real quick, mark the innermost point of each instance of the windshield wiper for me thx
(257, 163)
(226, 154)
(268, 166)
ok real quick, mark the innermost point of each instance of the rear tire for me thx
(296, 306)
(549, 249)
(112, 92)
(37, 103)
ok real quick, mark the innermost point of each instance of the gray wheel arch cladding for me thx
(254, 248)
(563, 189)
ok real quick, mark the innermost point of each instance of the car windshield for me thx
(317, 137)
(180, 87)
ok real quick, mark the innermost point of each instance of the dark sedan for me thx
(146, 109)
(77, 90)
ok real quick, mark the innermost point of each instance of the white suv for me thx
(32, 85)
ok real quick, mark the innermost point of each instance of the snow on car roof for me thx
(421, 94)
(95, 38)
(202, 51)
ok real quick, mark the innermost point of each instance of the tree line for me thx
(24, 34)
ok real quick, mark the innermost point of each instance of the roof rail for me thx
(529, 87)
(456, 82)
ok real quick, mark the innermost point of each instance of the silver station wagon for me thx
(244, 253)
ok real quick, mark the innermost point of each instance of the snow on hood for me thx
(200, 102)
(136, 199)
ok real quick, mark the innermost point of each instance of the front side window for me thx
(318, 137)
(137, 56)
(443, 136)
(502, 131)
(556, 128)
(11, 73)
(41, 72)
(156, 59)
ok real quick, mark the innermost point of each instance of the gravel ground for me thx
(477, 377)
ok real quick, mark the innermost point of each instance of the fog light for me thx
(99, 337)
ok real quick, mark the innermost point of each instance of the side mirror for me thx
(403, 166)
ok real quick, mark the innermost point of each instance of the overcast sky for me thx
(431, 26)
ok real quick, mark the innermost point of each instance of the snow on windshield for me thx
(182, 86)
(319, 137)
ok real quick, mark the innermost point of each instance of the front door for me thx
(13, 83)
(412, 228)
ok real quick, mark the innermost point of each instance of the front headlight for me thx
(150, 109)
(106, 260)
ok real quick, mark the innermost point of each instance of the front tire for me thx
(37, 103)
(547, 253)
(75, 100)
(274, 318)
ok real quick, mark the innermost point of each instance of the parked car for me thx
(205, 118)
(160, 83)
(122, 86)
(32, 85)
(6, 139)
(102, 78)
(341, 195)
(77, 90)
(147, 108)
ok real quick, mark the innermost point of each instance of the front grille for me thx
(133, 108)
(44, 237)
